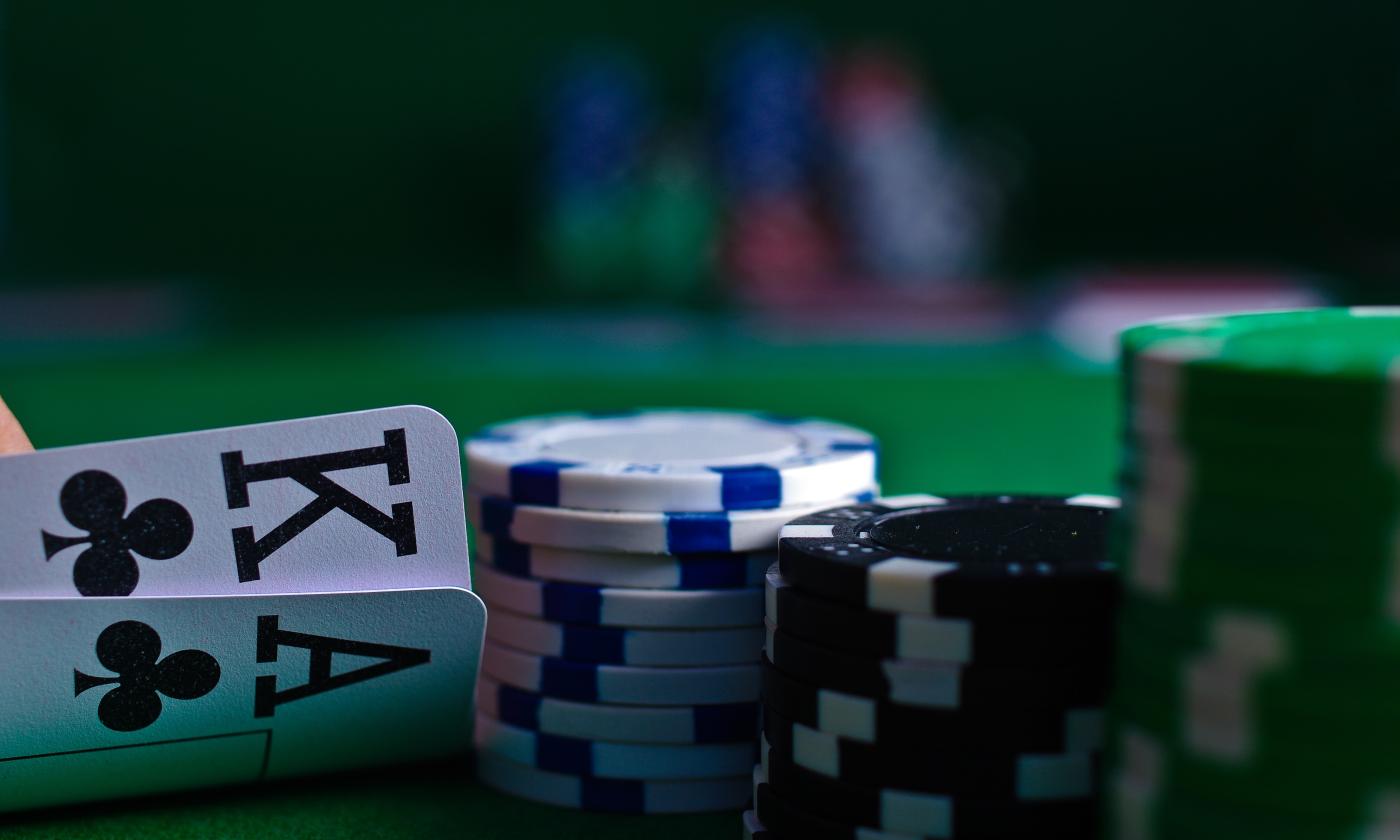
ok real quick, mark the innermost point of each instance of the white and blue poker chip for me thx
(640, 532)
(577, 603)
(710, 570)
(623, 684)
(671, 461)
(717, 723)
(610, 760)
(625, 645)
(619, 796)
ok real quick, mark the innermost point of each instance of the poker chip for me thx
(908, 813)
(891, 808)
(862, 719)
(876, 633)
(622, 558)
(603, 759)
(644, 532)
(712, 724)
(620, 796)
(1316, 378)
(1257, 544)
(1149, 812)
(671, 461)
(787, 821)
(937, 685)
(617, 607)
(712, 570)
(957, 557)
(753, 829)
(1223, 761)
(626, 684)
(981, 773)
(624, 646)
(1180, 546)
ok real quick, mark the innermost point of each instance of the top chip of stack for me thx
(624, 556)
(1258, 545)
(671, 461)
(937, 667)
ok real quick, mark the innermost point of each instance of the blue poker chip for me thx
(704, 570)
(619, 796)
(640, 532)
(620, 684)
(716, 723)
(577, 603)
(609, 760)
(673, 461)
(624, 645)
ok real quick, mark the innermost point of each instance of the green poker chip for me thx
(1336, 711)
(1136, 809)
(1257, 772)
(1326, 645)
(1214, 481)
(1306, 378)
(1292, 585)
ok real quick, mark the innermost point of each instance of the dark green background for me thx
(275, 148)
(996, 420)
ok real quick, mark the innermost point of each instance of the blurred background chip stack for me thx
(937, 667)
(909, 202)
(770, 140)
(622, 559)
(1259, 641)
(597, 120)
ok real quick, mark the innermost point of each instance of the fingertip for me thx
(13, 440)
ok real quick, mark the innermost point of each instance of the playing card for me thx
(362, 501)
(107, 697)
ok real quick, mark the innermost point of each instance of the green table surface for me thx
(1003, 418)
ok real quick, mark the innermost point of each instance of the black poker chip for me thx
(989, 640)
(781, 812)
(939, 685)
(964, 556)
(1047, 729)
(985, 773)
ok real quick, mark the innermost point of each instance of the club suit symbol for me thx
(95, 502)
(131, 649)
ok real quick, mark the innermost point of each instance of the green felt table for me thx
(1003, 418)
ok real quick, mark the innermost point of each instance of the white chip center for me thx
(705, 439)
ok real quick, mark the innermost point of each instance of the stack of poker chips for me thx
(627, 207)
(936, 667)
(1259, 633)
(911, 204)
(770, 141)
(598, 117)
(621, 558)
